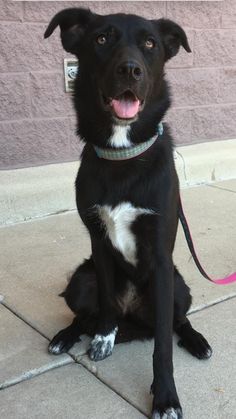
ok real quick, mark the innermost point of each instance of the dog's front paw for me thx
(168, 413)
(101, 346)
(165, 402)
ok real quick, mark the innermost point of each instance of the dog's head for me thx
(121, 60)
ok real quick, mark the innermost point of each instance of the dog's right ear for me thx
(73, 23)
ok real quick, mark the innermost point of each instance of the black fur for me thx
(115, 56)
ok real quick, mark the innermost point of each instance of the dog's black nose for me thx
(130, 69)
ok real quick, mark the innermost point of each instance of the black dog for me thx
(127, 194)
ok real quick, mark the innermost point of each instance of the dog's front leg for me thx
(166, 403)
(104, 339)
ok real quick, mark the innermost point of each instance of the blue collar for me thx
(130, 152)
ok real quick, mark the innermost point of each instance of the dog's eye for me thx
(101, 39)
(149, 43)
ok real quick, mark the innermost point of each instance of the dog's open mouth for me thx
(125, 106)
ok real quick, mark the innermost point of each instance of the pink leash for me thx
(222, 281)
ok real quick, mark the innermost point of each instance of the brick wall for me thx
(36, 117)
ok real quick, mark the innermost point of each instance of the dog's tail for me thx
(222, 281)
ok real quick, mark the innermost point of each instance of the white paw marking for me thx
(170, 414)
(54, 349)
(101, 346)
(208, 353)
(120, 136)
(118, 223)
(106, 339)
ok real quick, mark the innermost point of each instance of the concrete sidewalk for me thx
(35, 260)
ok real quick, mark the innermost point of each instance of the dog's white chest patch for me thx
(120, 136)
(118, 222)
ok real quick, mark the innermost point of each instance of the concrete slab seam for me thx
(23, 319)
(213, 303)
(33, 373)
(111, 388)
(212, 185)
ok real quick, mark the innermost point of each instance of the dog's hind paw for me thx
(101, 346)
(169, 413)
(196, 344)
(62, 342)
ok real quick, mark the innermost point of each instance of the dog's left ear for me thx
(173, 36)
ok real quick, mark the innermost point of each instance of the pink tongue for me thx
(125, 108)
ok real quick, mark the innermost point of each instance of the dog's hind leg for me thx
(190, 339)
(81, 296)
(81, 293)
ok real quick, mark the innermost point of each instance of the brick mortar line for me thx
(210, 105)
(52, 71)
(231, 29)
(193, 142)
(29, 95)
(38, 119)
(11, 21)
(166, 10)
(193, 68)
(168, 68)
(23, 21)
(53, 118)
